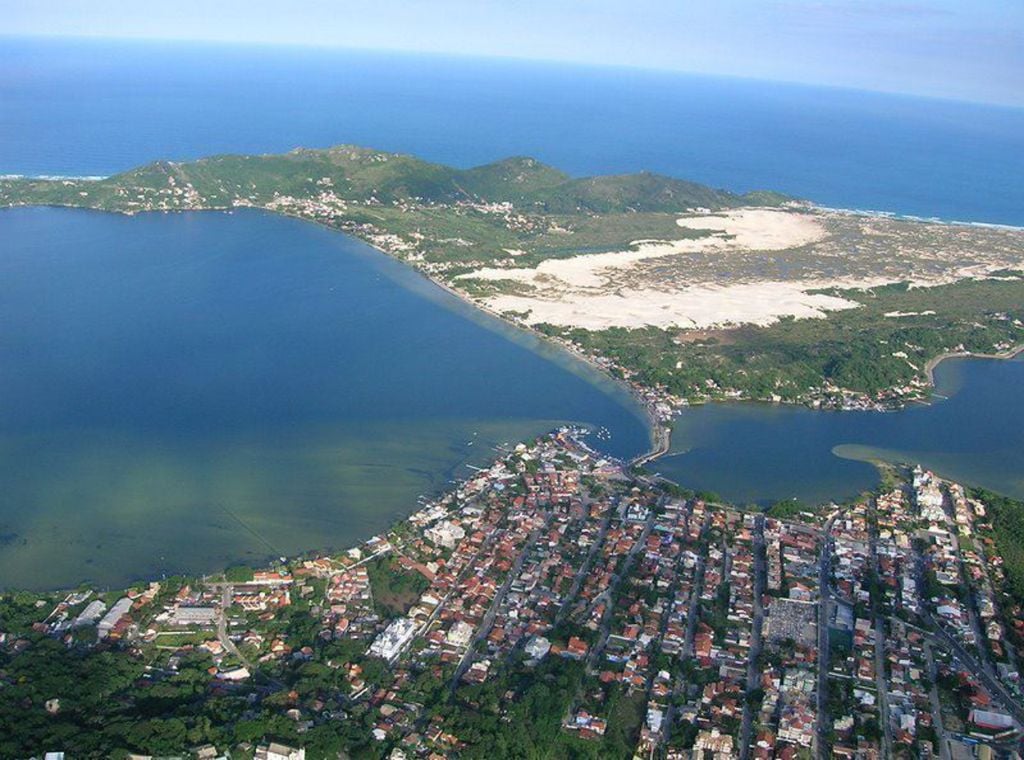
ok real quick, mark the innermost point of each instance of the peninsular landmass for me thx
(556, 605)
(688, 292)
(560, 603)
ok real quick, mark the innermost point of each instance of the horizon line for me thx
(568, 63)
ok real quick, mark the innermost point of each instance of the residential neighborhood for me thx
(603, 612)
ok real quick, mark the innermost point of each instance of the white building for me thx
(445, 534)
(194, 616)
(118, 611)
(393, 639)
(537, 648)
(275, 751)
(90, 614)
(460, 634)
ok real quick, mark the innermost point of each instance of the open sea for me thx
(178, 392)
(95, 108)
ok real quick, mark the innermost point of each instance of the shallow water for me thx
(184, 390)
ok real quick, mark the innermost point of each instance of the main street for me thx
(933, 696)
(825, 600)
(753, 667)
(484, 629)
(679, 690)
(880, 685)
(945, 640)
(941, 638)
(608, 597)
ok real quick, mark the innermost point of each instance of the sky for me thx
(957, 49)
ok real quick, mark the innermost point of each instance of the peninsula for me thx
(559, 602)
(555, 605)
(687, 292)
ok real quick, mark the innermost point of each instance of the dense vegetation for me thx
(1007, 517)
(112, 703)
(858, 349)
(395, 589)
(360, 175)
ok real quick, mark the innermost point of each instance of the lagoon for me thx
(180, 392)
(757, 453)
(183, 391)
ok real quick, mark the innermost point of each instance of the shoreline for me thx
(659, 433)
(880, 214)
(659, 429)
(929, 368)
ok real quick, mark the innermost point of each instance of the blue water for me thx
(178, 392)
(761, 453)
(94, 108)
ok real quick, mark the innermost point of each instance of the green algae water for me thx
(183, 391)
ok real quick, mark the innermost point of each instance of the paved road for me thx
(227, 592)
(824, 722)
(623, 572)
(679, 688)
(883, 701)
(943, 639)
(753, 671)
(698, 587)
(972, 600)
(488, 622)
(584, 570)
(880, 685)
(940, 731)
(670, 602)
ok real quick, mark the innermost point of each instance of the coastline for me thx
(659, 433)
(658, 424)
(929, 368)
(660, 430)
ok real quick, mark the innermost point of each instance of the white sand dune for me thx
(582, 291)
(742, 229)
(760, 229)
(598, 291)
(699, 306)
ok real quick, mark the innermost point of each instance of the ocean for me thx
(99, 107)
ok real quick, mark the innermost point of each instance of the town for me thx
(560, 604)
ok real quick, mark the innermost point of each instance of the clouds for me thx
(945, 48)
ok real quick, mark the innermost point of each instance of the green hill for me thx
(363, 175)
